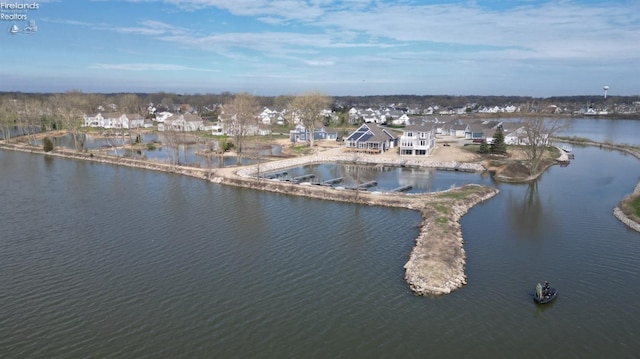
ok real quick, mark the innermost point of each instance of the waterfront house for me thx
(113, 120)
(418, 140)
(371, 138)
(301, 134)
(93, 120)
(135, 120)
(182, 122)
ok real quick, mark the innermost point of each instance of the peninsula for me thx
(436, 264)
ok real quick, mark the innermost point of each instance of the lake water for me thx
(384, 178)
(114, 262)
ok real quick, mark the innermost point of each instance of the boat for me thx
(546, 296)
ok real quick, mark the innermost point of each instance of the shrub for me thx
(47, 144)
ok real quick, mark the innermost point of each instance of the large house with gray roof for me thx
(371, 138)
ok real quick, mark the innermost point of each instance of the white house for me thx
(162, 116)
(418, 140)
(401, 121)
(113, 120)
(267, 116)
(94, 120)
(182, 122)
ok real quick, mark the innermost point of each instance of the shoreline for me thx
(436, 263)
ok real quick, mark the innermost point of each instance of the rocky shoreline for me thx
(634, 151)
(436, 264)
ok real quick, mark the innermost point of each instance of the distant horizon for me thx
(601, 96)
(528, 48)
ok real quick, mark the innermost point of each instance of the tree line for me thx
(29, 114)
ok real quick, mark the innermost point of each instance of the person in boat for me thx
(547, 288)
(539, 290)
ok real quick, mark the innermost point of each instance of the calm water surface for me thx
(112, 262)
(385, 178)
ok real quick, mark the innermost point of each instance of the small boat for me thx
(547, 296)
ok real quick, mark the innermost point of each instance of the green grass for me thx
(635, 205)
(301, 150)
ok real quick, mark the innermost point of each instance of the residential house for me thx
(268, 116)
(301, 134)
(371, 138)
(93, 120)
(111, 120)
(418, 140)
(476, 131)
(135, 120)
(403, 120)
(514, 133)
(162, 116)
(217, 129)
(182, 122)
(456, 128)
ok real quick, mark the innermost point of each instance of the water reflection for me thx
(527, 213)
(189, 151)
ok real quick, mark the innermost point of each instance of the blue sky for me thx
(356, 47)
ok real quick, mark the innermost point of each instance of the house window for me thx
(423, 143)
(409, 134)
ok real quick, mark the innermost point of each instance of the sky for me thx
(340, 48)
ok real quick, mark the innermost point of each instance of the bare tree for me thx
(240, 113)
(69, 108)
(537, 132)
(282, 104)
(29, 118)
(171, 144)
(132, 106)
(8, 116)
(309, 107)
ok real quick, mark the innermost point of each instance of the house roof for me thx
(370, 132)
(422, 127)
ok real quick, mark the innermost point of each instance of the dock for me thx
(402, 188)
(367, 185)
(274, 175)
(332, 181)
(302, 178)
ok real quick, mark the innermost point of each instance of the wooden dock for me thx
(367, 185)
(402, 188)
(274, 175)
(332, 181)
(302, 178)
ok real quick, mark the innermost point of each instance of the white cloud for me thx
(146, 67)
(320, 62)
